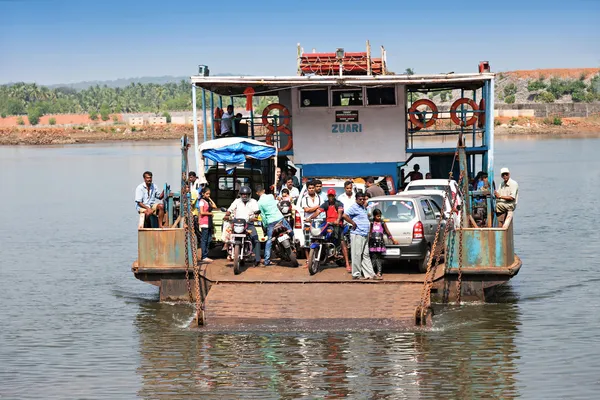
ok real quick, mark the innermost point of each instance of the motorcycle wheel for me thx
(292, 257)
(313, 263)
(237, 258)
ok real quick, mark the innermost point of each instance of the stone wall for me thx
(552, 109)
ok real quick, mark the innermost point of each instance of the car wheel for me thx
(425, 260)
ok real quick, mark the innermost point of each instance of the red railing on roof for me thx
(328, 64)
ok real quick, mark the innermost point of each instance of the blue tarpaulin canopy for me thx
(233, 151)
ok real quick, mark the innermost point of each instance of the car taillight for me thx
(418, 230)
(297, 222)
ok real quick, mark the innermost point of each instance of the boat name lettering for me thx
(345, 128)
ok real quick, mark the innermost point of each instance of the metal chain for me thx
(186, 228)
(460, 241)
(425, 302)
(194, 244)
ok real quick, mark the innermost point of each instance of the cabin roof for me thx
(269, 85)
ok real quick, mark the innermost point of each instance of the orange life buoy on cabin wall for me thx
(414, 118)
(218, 115)
(285, 121)
(285, 130)
(455, 117)
(482, 116)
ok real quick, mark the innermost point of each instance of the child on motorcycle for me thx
(376, 243)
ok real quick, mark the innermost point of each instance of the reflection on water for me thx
(76, 324)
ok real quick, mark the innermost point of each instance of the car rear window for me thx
(427, 187)
(394, 210)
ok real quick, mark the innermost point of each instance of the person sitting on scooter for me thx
(334, 210)
(271, 216)
(245, 207)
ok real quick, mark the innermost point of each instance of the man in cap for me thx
(507, 196)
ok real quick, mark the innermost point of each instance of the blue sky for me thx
(49, 41)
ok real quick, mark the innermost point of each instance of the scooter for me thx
(322, 247)
(282, 244)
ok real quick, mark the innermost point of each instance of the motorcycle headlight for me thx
(285, 210)
(238, 228)
(315, 231)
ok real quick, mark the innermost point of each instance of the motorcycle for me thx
(240, 244)
(282, 244)
(322, 247)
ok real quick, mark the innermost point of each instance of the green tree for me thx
(167, 116)
(510, 89)
(104, 112)
(20, 121)
(52, 121)
(533, 86)
(93, 115)
(3, 114)
(409, 71)
(545, 97)
(33, 115)
(510, 99)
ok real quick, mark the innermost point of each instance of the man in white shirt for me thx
(309, 203)
(347, 198)
(245, 207)
(194, 182)
(227, 121)
(289, 185)
(507, 196)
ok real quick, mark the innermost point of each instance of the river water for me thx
(75, 323)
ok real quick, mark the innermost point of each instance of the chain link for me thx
(186, 228)
(465, 189)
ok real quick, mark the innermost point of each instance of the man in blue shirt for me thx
(148, 200)
(357, 216)
(271, 216)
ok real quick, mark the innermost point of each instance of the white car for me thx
(337, 184)
(437, 187)
(438, 197)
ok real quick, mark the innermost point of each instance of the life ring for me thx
(285, 121)
(459, 102)
(415, 120)
(481, 116)
(217, 116)
(285, 130)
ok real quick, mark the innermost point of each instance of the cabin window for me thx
(314, 98)
(381, 96)
(347, 97)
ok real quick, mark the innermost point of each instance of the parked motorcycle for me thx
(323, 248)
(240, 244)
(285, 206)
(282, 245)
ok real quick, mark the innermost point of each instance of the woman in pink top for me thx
(205, 205)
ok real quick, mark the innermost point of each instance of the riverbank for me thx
(504, 126)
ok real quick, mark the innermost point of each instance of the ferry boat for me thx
(343, 115)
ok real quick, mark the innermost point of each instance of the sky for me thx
(60, 41)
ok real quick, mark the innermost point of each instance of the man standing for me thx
(415, 174)
(334, 210)
(289, 185)
(227, 122)
(318, 187)
(148, 200)
(194, 182)
(271, 216)
(347, 198)
(246, 207)
(309, 204)
(361, 259)
(507, 196)
(373, 190)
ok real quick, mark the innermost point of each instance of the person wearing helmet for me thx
(246, 207)
(334, 210)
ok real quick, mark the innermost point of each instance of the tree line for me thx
(31, 99)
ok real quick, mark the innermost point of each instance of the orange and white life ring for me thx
(455, 117)
(285, 121)
(284, 130)
(414, 118)
(481, 116)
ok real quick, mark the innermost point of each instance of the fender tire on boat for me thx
(415, 120)
(285, 121)
(481, 117)
(455, 106)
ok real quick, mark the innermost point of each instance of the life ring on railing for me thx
(459, 102)
(285, 121)
(414, 118)
(218, 114)
(285, 130)
(481, 116)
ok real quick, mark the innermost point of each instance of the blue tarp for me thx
(236, 153)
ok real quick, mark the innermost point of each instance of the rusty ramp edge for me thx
(319, 305)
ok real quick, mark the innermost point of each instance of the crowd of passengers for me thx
(347, 208)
